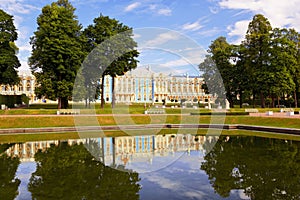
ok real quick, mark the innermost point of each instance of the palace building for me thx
(141, 85)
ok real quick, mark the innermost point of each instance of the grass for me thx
(68, 121)
(38, 118)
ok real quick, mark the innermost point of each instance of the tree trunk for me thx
(295, 99)
(262, 100)
(59, 103)
(64, 102)
(86, 102)
(241, 99)
(102, 91)
(278, 103)
(273, 102)
(253, 100)
(113, 101)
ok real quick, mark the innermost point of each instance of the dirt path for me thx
(275, 115)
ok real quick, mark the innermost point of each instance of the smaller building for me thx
(26, 86)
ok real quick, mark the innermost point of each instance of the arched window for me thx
(20, 87)
(28, 86)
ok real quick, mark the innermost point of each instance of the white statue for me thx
(227, 105)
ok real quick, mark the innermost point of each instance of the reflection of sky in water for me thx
(164, 175)
(180, 178)
(183, 179)
(24, 172)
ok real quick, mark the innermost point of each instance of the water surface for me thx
(152, 167)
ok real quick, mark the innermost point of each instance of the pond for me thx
(152, 167)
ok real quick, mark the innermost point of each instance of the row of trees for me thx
(265, 64)
(59, 48)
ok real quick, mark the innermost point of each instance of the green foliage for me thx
(57, 51)
(265, 63)
(8, 167)
(222, 53)
(25, 99)
(8, 60)
(229, 166)
(11, 100)
(112, 52)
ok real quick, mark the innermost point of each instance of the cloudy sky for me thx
(173, 35)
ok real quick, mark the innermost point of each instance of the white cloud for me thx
(192, 26)
(162, 38)
(132, 6)
(279, 13)
(147, 7)
(26, 47)
(210, 32)
(214, 10)
(238, 30)
(191, 57)
(17, 7)
(165, 11)
(24, 66)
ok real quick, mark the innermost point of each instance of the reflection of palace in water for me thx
(121, 150)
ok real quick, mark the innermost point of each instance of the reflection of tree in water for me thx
(71, 172)
(8, 182)
(264, 168)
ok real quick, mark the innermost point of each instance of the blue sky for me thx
(173, 35)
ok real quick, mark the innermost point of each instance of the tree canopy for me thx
(116, 51)
(57, 51)
(9, 62)
(266, 63)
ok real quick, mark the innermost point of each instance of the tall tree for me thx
(283, 63)
(257, 52)
(294, 41)
(9, 62)
(122, 52)
(213, 81)
(222, 54)
(244, 74)
(57, 51)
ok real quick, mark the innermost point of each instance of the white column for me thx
(166, 87)
(24, 85)
(181, 87)
(193, 87)
(127, 85)
(121, 86)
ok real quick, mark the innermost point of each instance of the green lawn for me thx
(39, 120)
(68, 121)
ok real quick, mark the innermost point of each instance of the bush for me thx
(11, 100)
(221, 113)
